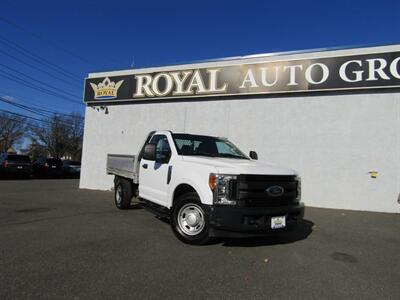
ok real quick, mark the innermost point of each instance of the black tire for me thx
(190, 200)
(123, 193)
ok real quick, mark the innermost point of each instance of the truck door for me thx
(153, 173)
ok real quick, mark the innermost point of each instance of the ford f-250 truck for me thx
(207, 187)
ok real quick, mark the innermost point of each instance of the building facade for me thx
(334, 116)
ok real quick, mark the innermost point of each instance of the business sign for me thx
(370, 71)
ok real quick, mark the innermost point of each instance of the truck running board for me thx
(156, 209)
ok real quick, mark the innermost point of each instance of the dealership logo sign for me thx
(106, 89)
(368, 71)
(181, 83)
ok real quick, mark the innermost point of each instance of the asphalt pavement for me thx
(59, 242)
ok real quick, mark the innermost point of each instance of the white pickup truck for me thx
(207, 187)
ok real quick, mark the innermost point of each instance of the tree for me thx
(75, 134)
(54, 137)
(61, 137)
(36, 150)
(12, 130)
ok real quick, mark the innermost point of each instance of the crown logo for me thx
(107, 89)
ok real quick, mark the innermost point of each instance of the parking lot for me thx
(59, 242)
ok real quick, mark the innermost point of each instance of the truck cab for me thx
(208, 187)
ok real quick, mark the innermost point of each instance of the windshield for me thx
(20, 158)
(201, 145)
(54, 161)
(71, 163)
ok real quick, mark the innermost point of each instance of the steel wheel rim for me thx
(118, 194)
(191, 219)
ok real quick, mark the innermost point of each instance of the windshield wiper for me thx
(200, 154)
(206, 154)
(232, 156)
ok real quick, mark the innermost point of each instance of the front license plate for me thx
(19, 167)
(278, 222)
(53, 167)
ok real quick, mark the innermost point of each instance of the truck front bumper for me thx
(250, 221)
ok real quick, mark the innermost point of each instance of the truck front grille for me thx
(251, 190)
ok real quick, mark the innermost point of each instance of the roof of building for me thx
(256, 58)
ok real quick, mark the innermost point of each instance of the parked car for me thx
(13, 165)
(71, 169)
(48, 168)
(207, 187)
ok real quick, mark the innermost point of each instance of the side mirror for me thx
(149, 152)
(253, 155)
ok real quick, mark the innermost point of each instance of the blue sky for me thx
(78, 37)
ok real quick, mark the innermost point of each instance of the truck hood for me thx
(240, 166)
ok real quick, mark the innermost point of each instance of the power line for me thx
(25, 52)
(24, 107)
(36, 119)
(39, 69)
(38, 88)
(52, 112)
(38, 111)
(32, 110)
(55, 45)
(21, 121)
(28, 125)
(7, 95)
(24, 116)
(39, 81)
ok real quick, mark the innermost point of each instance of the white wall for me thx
(332, 140)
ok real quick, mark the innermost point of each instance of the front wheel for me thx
(189, 222)
(123, 193)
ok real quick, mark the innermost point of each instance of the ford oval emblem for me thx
(275, 190)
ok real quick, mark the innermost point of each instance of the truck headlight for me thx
(298, 197)
(220, 185)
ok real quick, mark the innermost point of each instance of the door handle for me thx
(144, 166)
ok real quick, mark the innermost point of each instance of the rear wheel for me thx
(123, 193)
(189, 222)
